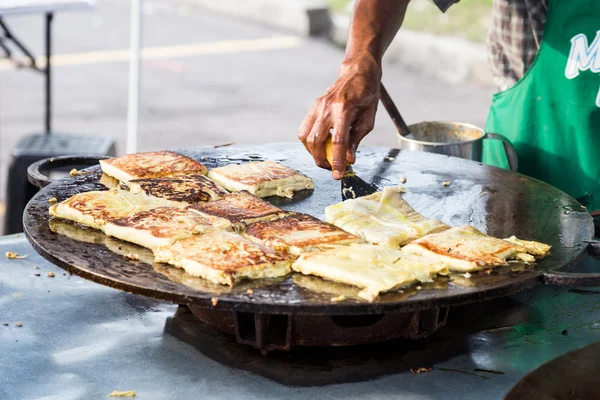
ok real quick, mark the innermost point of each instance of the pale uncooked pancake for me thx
(375, 269)
(383, 218)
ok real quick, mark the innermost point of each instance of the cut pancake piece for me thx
(178, 191)
(465, 248)
(96, 208)
(157, 164)
(536, 249)
(241, 209)
(298, 233)
(224, 257)
(261, 178)
(375, 269)
(383, 218)
(162, 226)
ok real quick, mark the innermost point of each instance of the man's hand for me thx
(347, 111)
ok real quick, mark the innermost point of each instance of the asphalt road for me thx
(212, 80)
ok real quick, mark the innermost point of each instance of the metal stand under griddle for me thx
(267, 332)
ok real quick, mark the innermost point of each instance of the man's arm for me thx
(349, 106)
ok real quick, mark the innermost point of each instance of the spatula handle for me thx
(392, 110)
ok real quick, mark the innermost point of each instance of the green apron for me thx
(552, 115)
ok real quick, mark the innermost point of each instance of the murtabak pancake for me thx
(96, 208)
(179, 191)
(375, 269)
(156, 164)
(162, 226)
(382, 218)
(261, 178)
(224, 257)
(298, 233)
(465, 249)
(240, 208)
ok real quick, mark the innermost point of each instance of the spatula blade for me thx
(353, 186)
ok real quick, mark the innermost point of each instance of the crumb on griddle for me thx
(19, 324)
(467, 275)
(390, 158)
(341, 297)
(37, 274)
(403, 180)
(36, 267)
(132, 256)
(118, 393)
(74, 172)
(446, 183)
(53, 200)
(5, 324)
(12, 255)
(50, 274)
(419, 287)
(249, 291)
(420, 370)
(214, 301)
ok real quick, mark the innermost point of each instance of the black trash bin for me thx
(33, 148)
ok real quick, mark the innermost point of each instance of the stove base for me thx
(267, 332)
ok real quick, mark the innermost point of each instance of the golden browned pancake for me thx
(224, 257)
(298, 233)
(382, 218)
(261, 178)
(240, 208)
(157, 164)
(375, 269)
(181, 190)
(465, 248)
(96, 208)
(162, 226)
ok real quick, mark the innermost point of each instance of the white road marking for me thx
(161, 52)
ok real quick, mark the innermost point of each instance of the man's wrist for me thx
(363, 62)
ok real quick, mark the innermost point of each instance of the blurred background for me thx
(233, 71)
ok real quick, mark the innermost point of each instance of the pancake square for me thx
(180, 191)
(96, 208)
(466, 249)
(383, 218)
(298, 233)
(225, 258)
(162, 226)
(241, 209)
(261, 178)
(156, 164)
(374, 269)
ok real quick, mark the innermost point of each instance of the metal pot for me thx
(454, 139)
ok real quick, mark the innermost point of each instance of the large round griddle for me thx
(496, 201)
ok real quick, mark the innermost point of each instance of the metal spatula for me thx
(351, 184)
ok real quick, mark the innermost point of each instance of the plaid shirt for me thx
(514, 36)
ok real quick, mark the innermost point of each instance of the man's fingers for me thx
(306, 125)
(339, 141)
(358, 131)
(316, 142)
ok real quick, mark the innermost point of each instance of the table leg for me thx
(48, 73)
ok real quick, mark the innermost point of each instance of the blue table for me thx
(81, 340)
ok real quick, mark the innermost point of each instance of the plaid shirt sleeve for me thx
(444, 5)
